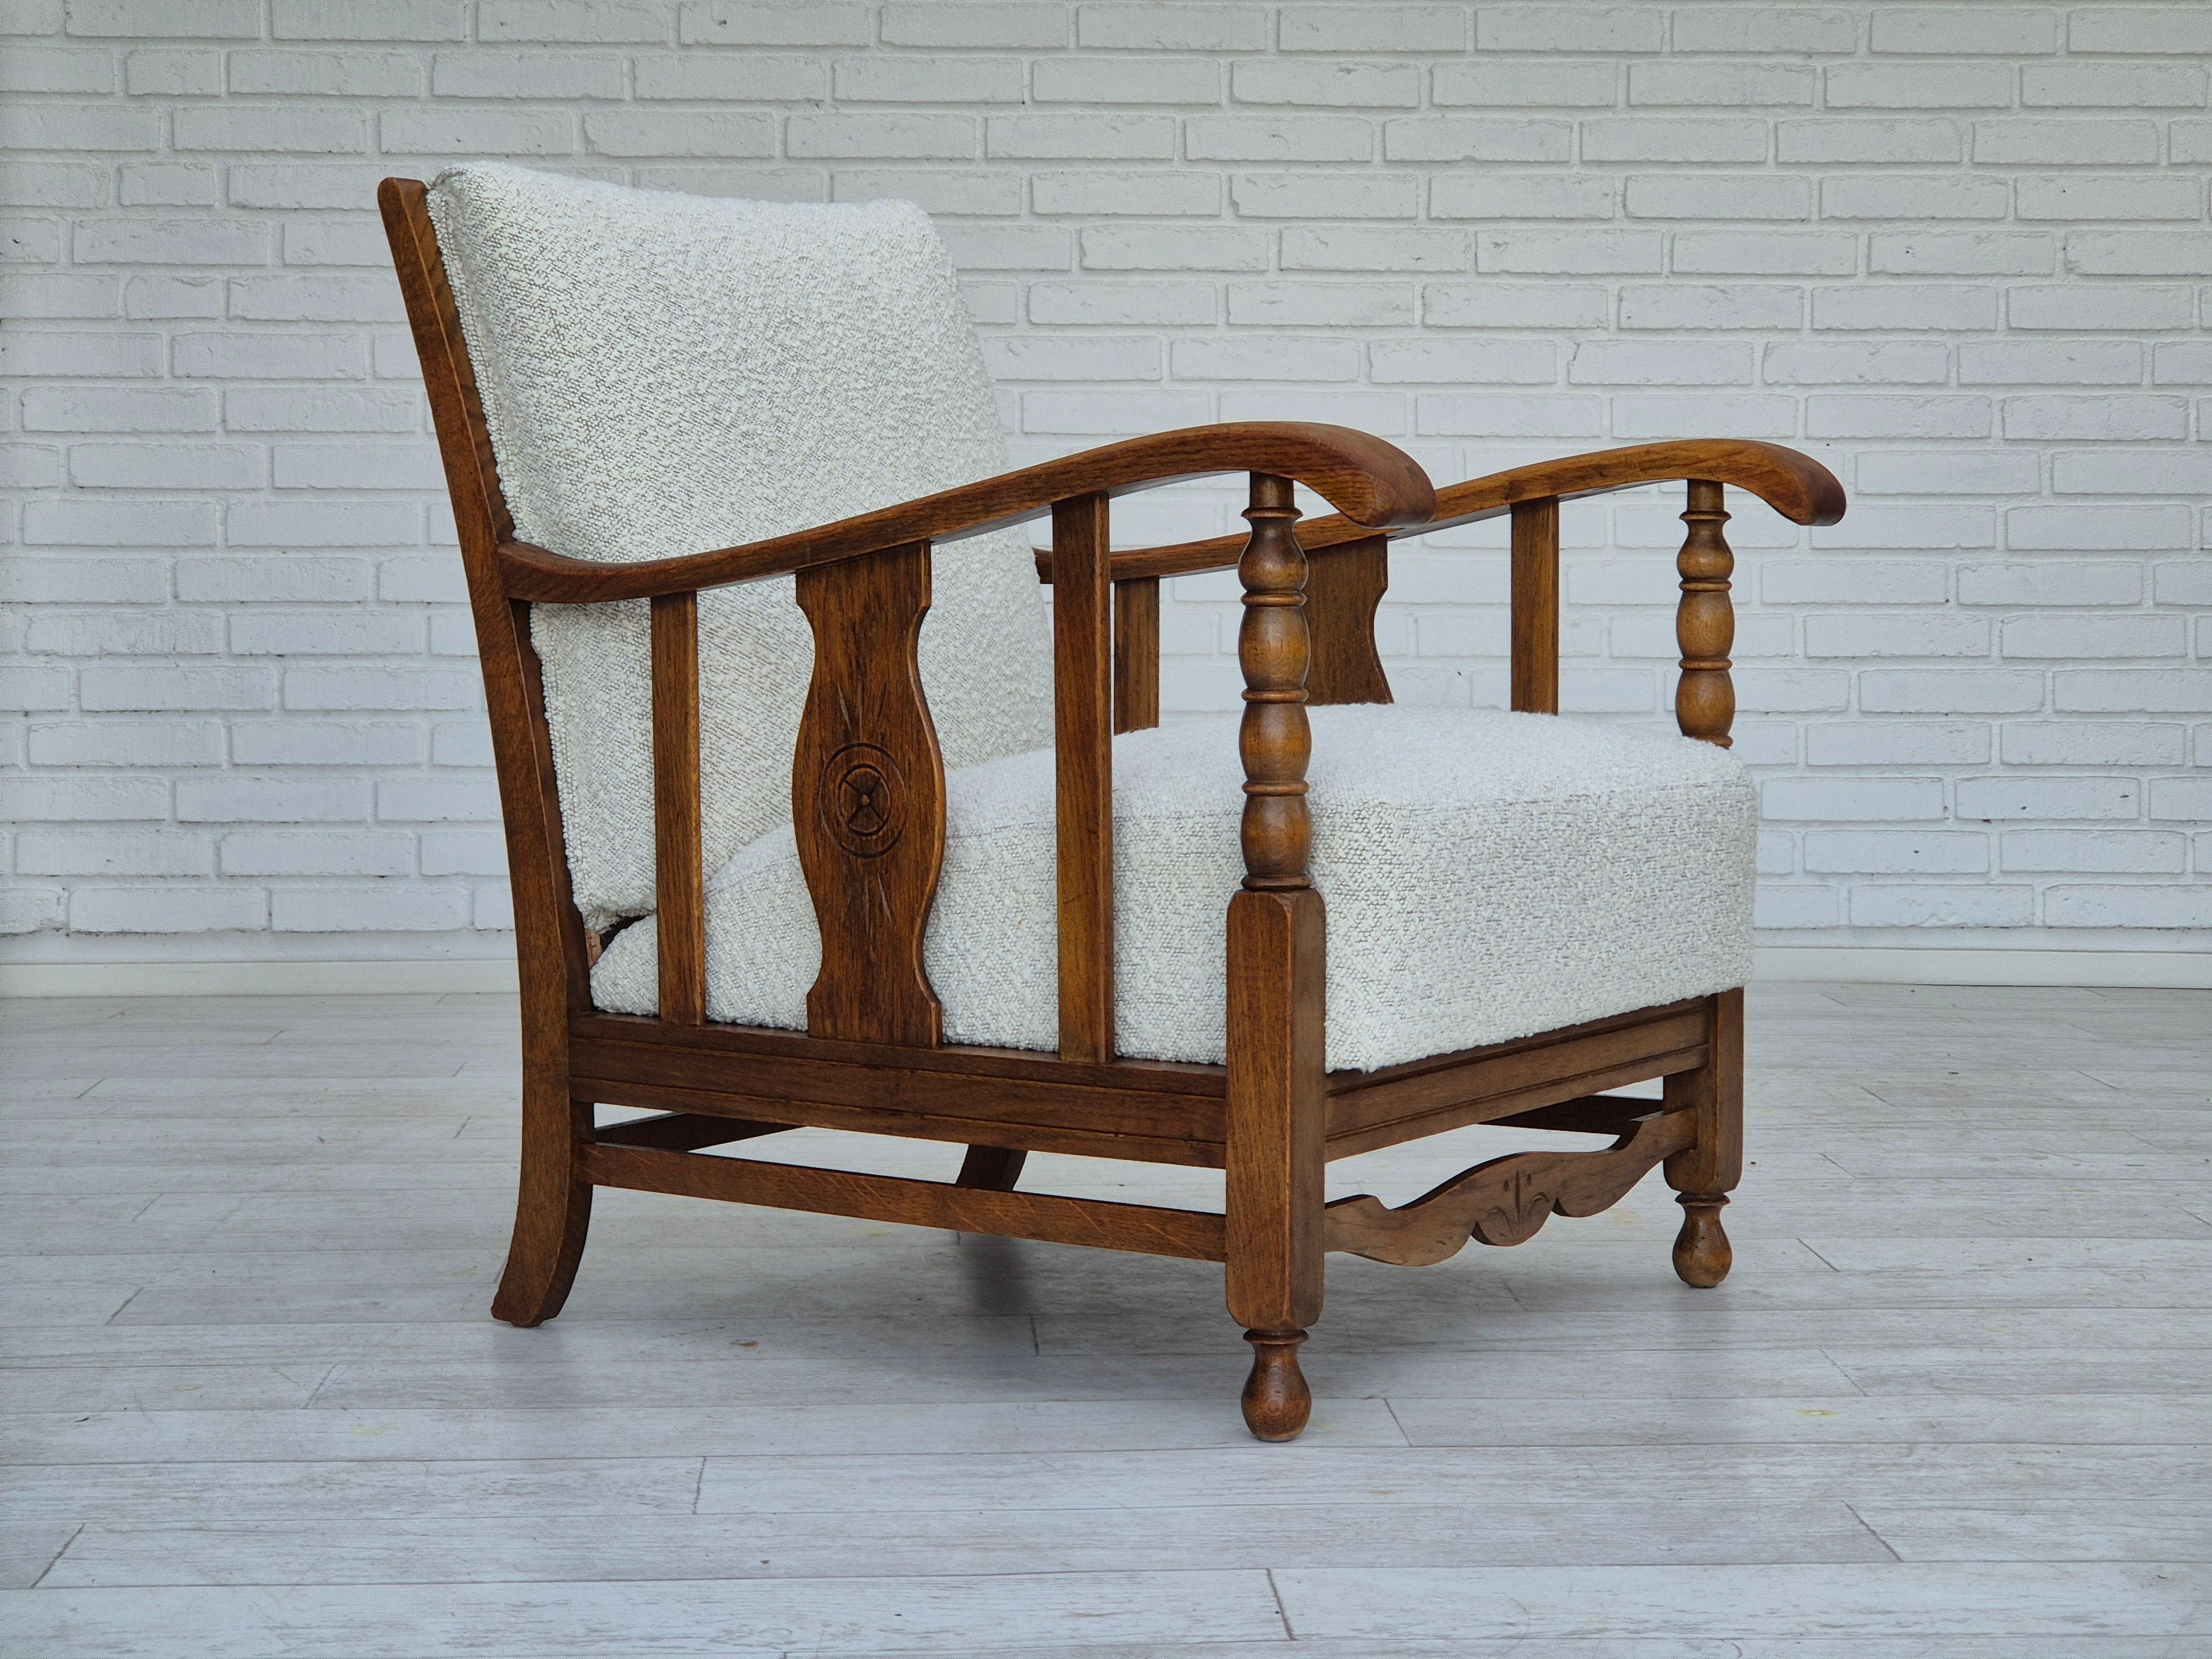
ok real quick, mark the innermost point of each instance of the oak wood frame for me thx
(868, 809)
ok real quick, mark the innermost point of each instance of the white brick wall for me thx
(1958, 252)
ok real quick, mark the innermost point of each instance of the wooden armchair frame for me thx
(868, 811)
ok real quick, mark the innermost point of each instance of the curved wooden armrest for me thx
(1373, 484)
(1796, 486)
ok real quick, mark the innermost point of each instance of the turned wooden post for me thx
(1276, 944)
(1273, 648)
(1704, 708)
(1704, 623)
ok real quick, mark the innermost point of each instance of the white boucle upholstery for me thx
(664, 374)
(1487, 876)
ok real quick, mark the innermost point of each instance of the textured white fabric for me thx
(1487, 876)
(664, 374)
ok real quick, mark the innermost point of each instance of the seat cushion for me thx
(1488, 876)
(664, 374)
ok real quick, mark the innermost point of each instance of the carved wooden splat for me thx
(868, 798)
(1344, 585)
(1505, 1201)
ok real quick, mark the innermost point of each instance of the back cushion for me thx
(664, 374)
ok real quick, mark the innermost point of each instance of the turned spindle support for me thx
(1704, 708)
(1276, 1100)
(1705, 622)
(1273, 648)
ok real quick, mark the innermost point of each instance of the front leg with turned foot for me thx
(1703, 1174)
(1277, 934)
(1704, 706)
(1274, 1209)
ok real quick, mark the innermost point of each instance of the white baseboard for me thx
(254, 979)
(1842, 964)
(1875, 965)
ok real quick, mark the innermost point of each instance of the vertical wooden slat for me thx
(1705, 621)
(868, 798)
(679, 884)
(1536, 606)
(1137, 654)
(1344, 585)
(1083, 729)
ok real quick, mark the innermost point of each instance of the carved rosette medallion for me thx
(862, 799)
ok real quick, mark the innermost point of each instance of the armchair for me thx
(1020, 947)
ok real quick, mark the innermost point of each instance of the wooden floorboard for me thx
(1951, 1403)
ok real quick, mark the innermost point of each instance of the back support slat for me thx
(1344, 585)
(1137, 654)
(678, 878)
(1083, 723)
(868, 798)
(1536, 606)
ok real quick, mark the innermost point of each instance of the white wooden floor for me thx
(1953, 1401)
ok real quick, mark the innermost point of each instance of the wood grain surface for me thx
(679, 880)
(868, 800)
(1535, 668)
(1370, 482)
(1083, 755)
(1344, 583)
(1796, 486)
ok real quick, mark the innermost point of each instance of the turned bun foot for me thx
(1702, 1256)
(1277, 1402)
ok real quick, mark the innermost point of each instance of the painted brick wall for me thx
(1958, 252)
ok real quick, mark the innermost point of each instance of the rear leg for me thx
(552, 1206)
